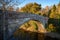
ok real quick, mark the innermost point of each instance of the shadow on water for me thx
(1, 35)
(28, 35)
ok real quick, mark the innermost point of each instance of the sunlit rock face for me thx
(41, 28)
(34, 26)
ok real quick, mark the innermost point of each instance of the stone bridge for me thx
(12, 21)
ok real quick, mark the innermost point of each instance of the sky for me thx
(43, 3)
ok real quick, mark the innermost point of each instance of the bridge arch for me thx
(34, 25)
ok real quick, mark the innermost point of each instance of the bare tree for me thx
(6, 3)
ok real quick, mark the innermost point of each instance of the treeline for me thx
(51, 12)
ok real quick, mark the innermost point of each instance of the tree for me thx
(53, 12)
(51, 28)
(35, 8)
(31, 8)
(6, 3)
(54, 7)
(58, 8)
(49, 12)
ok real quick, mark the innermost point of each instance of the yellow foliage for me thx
(51, 28)
(31, 8)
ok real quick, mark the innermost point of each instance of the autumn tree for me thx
(35, 8)
(31, 8)
(53, 12)
(51, 28)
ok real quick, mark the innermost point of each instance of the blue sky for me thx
(44, 3)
